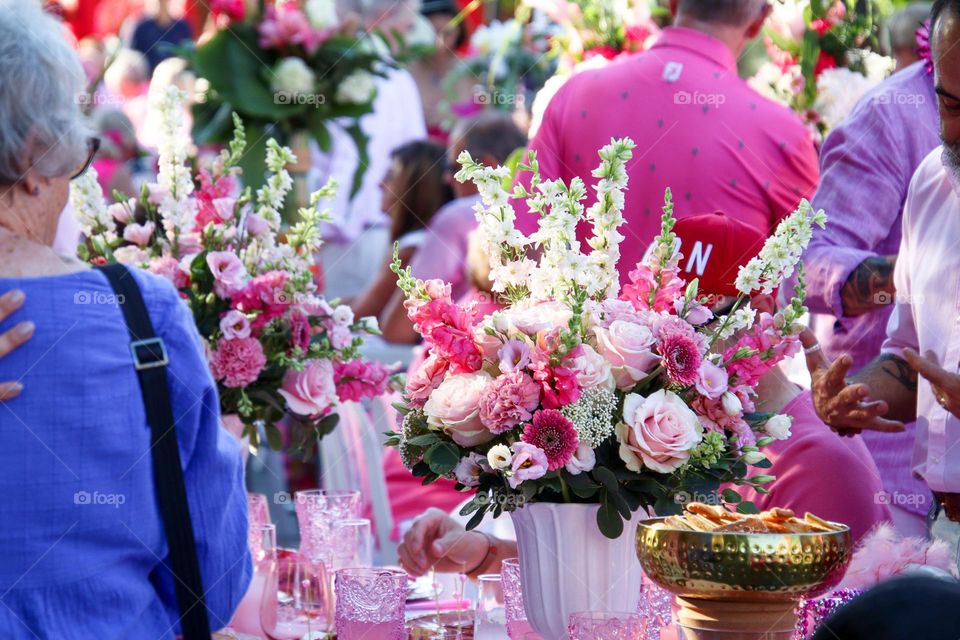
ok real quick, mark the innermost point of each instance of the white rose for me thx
(454, 407)
(731, 404)
(779, 426)
(592, 369)
(584, 459)
(322, 14)
(499, 457)
(293, 76)
(356, 88)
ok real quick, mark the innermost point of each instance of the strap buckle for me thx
(149, 354)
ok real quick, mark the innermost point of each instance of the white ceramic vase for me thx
(568, 566)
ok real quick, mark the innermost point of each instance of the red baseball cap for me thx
(714, 247)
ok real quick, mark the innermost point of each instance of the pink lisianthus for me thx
(643, 282)
(555, 435)
(256, 226)
(681, 358)
(265, 293)
(234, 325)
(529, 462)
(583, 460)
(468, 470)
(169, 268)
(509, 401)
(359, 379)
(711, 380)
(657, 432)
(310, 392)
(514, 355)
(454, 408)
(229, 274)
(139, 234)
(427, 377)
(697, 314)
(558, 383)
(300, 331)
(237, 362)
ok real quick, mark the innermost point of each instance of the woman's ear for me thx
(763, 302)
(29, 178)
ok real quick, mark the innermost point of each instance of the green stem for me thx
(564, 489)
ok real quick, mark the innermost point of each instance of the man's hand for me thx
(945, 385)
(12, 338)
(437, 541)
(845, 408)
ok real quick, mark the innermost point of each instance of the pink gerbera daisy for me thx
(552, 432)
(681, 358)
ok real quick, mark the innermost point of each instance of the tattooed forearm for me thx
(898, 369)
(869, 286)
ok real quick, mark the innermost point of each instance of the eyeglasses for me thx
(93, 144)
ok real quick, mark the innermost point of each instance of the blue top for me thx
(82, 546)
(158, 42)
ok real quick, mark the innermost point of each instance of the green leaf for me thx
(318, 129)
(425, 440)
(442, 457)
(363, 162)
(274, 437)
(608, 519)
(327, 424)
(581, 485)
(763, 464)
(212, 122)
(607, 478)
(471, 506)
(477, 518)
(747, 508)
(732, 497)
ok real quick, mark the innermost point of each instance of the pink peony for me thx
(266, 294)
(300, 331)
(657, 432)
(237, 362)
(229, 274)
(559, 383)
(681, 358)
(711, 380)
(169, 268)
(424, 379)
(628, 348)
(139, 234)
(552, 432)
(359, 379)
(509, 401)
(454, 407)
(234, 325)
(529, 463)
(310, 392)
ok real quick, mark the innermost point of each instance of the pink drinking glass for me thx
(296, 598)
(655, 608)
(370, 604)
(605, 626)
(258, 515)
(517, 626)
(317, 511)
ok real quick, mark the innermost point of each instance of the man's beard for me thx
(951, 162)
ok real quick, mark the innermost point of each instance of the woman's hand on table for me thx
(12, 338)
(438, 542)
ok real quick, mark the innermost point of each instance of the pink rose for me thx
(139, 234)
(310, 392)
(612, 309)
(509, 401)
(454, 407)
(169, 268)
(591, 368)
(234, 325)
(425, 379)
(628, 347)
(529, 463)
(657, 432)
(711, 380)
(237, 362)
(229, 275)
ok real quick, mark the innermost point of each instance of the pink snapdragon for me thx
(448, 329)
(643, 283)
(265, 294)
(769, 347)
(300, 331)
(237, 362)
(359, 379)
(509, 401)
(558, 383)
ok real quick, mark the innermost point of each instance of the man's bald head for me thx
(733, 13)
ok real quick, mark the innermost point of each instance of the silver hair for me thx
(900, 31)
(726, 12)
(376, 9)
(43, 85)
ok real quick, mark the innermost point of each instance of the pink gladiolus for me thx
(237, 362)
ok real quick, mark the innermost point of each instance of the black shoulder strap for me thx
(150, 360)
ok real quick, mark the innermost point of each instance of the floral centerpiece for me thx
(275, 347)
(821, 58)
(578, 391)
(290, 69)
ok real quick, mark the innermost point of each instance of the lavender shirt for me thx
(443, 252)
(866, 164)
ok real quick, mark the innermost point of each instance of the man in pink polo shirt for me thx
(699, 128)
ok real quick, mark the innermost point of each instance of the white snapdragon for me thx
(271, 195)
(176, 209)
(89, 207)
(739, 320)
(606, 216)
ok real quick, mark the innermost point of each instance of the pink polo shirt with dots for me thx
(699, 129)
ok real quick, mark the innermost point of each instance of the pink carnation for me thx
(424, 379)
(237, 362)
(359, 379)
(681, 358)
(555, 435)
(168, 267)
(265, 293)
(509, 401)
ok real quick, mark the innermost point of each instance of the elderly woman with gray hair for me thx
(87, 551)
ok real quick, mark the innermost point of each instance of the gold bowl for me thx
(755, 567)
